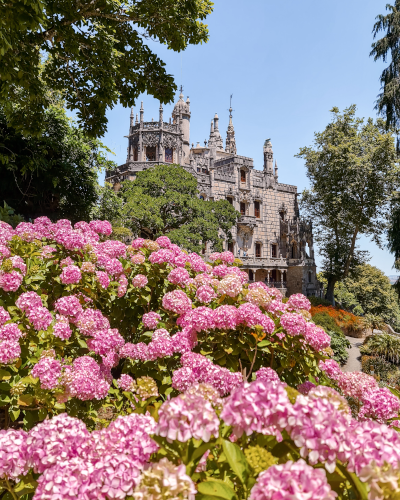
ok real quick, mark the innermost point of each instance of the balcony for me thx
(248, 221)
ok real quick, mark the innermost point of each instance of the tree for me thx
(94, 52)
(164, 200)
(55, 174)
(388, 47)
(353, 172)
(369, 292)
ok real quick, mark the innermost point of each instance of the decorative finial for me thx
(205, 142)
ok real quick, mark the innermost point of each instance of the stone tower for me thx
(181, 117)
(268, 157)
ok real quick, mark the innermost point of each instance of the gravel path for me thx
(354, 361)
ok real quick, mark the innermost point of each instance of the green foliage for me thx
(339, 346)
(353, 170)
(326, 322)
(8, 215)
(369, 291)
(54, 175)
(383, 345)
(387, 48)
(94, 52)
(164, 200)
(386, 372)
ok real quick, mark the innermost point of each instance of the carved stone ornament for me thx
(150, 139)
(169, 141)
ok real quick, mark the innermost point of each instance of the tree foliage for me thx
(387, 48)
(164, 200)
(353, 172)
(369, 291)
(95, 52)
(53, 175)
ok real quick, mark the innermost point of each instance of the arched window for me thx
(243, 176)
(169, 155)
(202, 197)
(293, 251)
(150, 153)
(242, 208)
(257, 209)
(309, 276)
(258, 249)
(274, 251)
(251, 275)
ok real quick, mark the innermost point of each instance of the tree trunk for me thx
(330, 290)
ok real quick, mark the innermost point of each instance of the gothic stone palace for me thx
(274, 243)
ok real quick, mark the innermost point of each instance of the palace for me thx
(274, 243)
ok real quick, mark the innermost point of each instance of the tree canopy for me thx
(369, 292)
(55, 174)
(94, 52)
(387, 48)
(164, 200)
(353, 172)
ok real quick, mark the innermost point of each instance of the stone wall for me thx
(294, 280)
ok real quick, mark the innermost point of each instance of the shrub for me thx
(384, 345)
(326, 321)
(198, 369)
(339, 346)
(347, 321)
(383, 370)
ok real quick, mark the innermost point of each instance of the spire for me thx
(276, 169)
(161, 116)
(132, 117)
(137, 119)
(141, 112)
(230, 134)
(217, 139)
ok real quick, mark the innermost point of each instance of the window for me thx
(273, 275)
(135, 154)
(201, 197)
(258, 249)
(242, 176)
(282, 214)
(293, 252)
(257, 209)
(273, 251)
(169, 155)
(309, 276)
(230, 247)
(243, 208)
(230, 200)
(251, 275)
(151, 153)
(203, 251)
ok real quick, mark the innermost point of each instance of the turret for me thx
(181, 116)
(141, 112)
(268, 157)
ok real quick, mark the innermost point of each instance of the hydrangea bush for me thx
(214, 387)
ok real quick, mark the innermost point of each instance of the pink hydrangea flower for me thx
(227, 257)
(47, 252)
(18, 263)
(10, 351)
(293, 323)
(379, 404)
(267, 374)
(61, 329)
(176, 301)
(125, 382)
(138, 259)
(140, 281)
(113, 267)
(178, 276)
(199, 319)
(67, 262)
(103, 278)
(123, 285)
(10, 331)
(91, 320)
(4, 315)
(48, 370)
(10, 282)
(187, 416)
(356, 384)
(298, 302)
(40, 317)
(68, 306)
(225, 317)
(151, 319)
(101, 227)
(4, 252)
(84, 380)
(259, 406)
(230, 285)
(28, 300)
(331, 368)
(13, 454)
(214, 256)
(205, 294)
(137, 243)
(164, 241)
(70, 275)
(103, 341)
(316, 337)
(292, 480)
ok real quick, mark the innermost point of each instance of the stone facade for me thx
(274, 243)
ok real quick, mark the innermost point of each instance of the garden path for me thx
(354, 362)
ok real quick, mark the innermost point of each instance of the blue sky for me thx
(286, 64)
